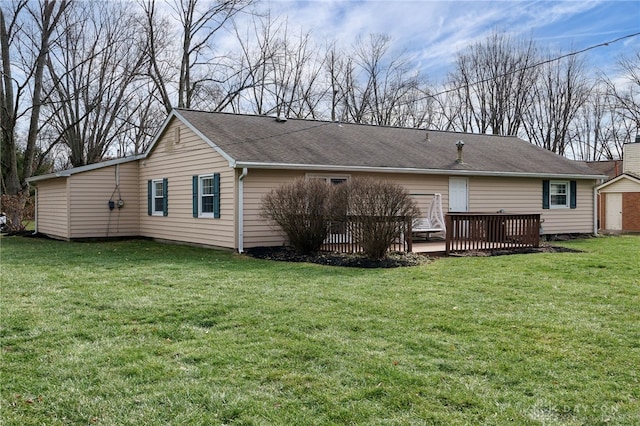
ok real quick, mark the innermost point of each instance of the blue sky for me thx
(434, 31)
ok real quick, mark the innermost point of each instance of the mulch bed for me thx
(393, 260)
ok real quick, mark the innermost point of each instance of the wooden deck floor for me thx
(433, 246)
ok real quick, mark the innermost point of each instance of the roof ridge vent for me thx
(281, 118)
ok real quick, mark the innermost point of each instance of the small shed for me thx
(89, 201)
(620, 197)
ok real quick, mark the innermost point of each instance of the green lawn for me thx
(136, 332)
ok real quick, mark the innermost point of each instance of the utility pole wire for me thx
(546, 61)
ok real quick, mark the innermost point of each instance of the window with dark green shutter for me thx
(216, 195)
(165, 197)
(559, 194)
(149, 197)
(157, 197)
(194, 194)
(206, 195)
(573, 194)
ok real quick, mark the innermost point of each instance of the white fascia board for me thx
(318, 167)
(209, 142)
(89, 167)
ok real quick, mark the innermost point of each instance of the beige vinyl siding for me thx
(179, 160)
(631, 158)
(523, 195)
(257, 232)
(418, 186)
(90, 216)
(622, 185)
(53, 208)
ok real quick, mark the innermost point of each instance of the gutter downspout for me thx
(245, 172)
(35, 232)
(595, 210)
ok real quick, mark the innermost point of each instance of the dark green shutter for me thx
(149, 198)
(194, 193)
(573, 194)
(545, 194)
(165, 198)
(216, 195)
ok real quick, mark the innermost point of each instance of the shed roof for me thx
(624, 176)
(262, 141)
(88, 167)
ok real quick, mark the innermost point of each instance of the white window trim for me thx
(200, 195)
(567, 185)
(154, 195)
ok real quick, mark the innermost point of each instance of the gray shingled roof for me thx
(611, 168)
(261, 140)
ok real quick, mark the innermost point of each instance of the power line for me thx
(546, 61)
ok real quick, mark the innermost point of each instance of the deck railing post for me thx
(409, 238)
(448, 233)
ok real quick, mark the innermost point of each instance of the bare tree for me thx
(610, 118)
(158, 50)
(282, 71)
(95, 65)
(590, 128)
(258, 45)
(335, 65)
(240, 79)
(373, 85)
(296, 70)
(627, 93)
(25, 36)
(199, 22)
(141, 118)
(561, 90)
(10, 99)
(493, 80)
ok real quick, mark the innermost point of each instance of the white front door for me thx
(613, 212)
(458, 194)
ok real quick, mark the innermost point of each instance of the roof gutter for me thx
(318, 167)
(595, 210)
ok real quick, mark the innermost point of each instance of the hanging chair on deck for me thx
(434, 222)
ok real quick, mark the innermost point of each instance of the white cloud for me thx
(431, 31)
(434, 31)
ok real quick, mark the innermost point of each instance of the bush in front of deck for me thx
(382, 209)
(301, 209)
